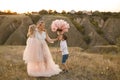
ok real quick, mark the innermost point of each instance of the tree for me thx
(79, 13)
(63, 12)
(50, 11)
(97, 13)
(42, 12)
(55, 12)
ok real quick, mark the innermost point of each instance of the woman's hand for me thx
(55, 39)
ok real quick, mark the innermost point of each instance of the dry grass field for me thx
(82, 65)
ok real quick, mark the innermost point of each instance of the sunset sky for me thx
(59, 5)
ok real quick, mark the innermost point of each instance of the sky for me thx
(22, 6)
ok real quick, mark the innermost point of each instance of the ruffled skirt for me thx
(39, 60)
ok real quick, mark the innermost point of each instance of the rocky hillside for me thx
(13, 29)
(99, 31)
(75, 38)
(85, 31)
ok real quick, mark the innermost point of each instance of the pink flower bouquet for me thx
(60, 25)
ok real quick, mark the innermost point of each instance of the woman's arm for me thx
(49, 39)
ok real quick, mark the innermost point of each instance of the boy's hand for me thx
(58, 37)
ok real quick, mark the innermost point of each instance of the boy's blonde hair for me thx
(31, 30)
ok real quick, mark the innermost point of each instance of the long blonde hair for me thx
(31, 30)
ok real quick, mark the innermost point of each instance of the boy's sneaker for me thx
(65, 71)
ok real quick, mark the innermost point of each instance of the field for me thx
(82, 65)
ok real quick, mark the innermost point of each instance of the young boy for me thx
(64, 50)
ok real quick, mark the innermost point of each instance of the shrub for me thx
(94, 23)
(79, 27)
(63, 12)
(99, 31)
(43, 12)
(87, 39)
(97, 28)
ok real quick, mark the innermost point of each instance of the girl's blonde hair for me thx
(31, 30)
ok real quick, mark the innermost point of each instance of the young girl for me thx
(31, 46)
(64, 50)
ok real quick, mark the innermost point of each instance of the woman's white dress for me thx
(38, 57)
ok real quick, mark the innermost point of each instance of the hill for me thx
(85, 32)
(13, 29)
(75, 38)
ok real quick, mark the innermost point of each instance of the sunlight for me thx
(59, 5)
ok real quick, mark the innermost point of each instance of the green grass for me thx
(82, 65)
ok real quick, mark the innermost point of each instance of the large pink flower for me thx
(60, 24)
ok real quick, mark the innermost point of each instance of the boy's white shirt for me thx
(63, 47)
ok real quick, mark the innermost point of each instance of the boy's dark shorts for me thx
(64, 58)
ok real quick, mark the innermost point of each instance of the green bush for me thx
(92, 21)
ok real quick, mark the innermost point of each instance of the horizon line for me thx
(30, 11)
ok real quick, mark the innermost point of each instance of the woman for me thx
(41, 64)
